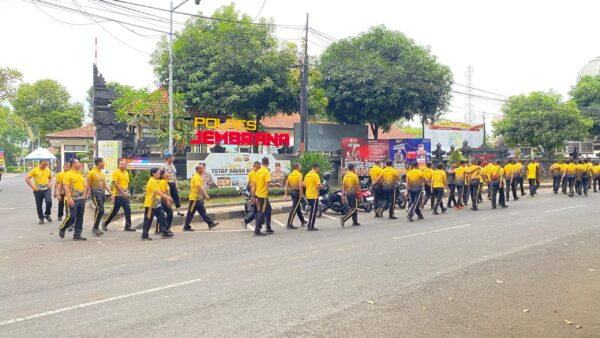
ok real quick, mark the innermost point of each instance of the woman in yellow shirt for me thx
(165, 188)
(152, 206)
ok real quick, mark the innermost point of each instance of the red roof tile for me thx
(281, 121)
(81, 132)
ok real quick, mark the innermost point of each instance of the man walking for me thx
(570, 174)
(120, 196)
(518, 172)
(439, 183)
(42, 189)
(532, 176)
(414, 187)
(197, 196)
(350, 192)
(74, 187)
(427, 173)
(169, 168)
(459, 174)
(59, 193)
(312, 182)
(388, 177)
(294, 184)
(451, 175)
(152, 207)
(586, 174)
(262, 181)
(596, 171)
(556, 176)
(376, 188)
(96, 183)
(497, 180)
(474, 178)
(251, 216)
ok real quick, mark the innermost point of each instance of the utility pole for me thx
(171, 70)
(304, 94)
(484, 132)
(469, 114)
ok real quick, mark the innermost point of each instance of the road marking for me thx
(433, 231)
(329, 216)
(560, 209)
(223, 230)
(98, 302)
(276, 221)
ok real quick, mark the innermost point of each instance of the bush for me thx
(183, 184)
(14, 169)
(140, 179)
(307, 159)
(223, 192)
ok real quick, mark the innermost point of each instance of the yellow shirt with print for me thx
(151, 198)
(374, 172)
(438, 179)
(195, 182)
(121, 178)
(294, 179)
(76, 183)
(96, 180)
(41, 177)
(350, 183)
(311, 183)
(261, 178)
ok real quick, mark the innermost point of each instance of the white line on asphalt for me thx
(329, 216)
(223, 230)
(433, 231)
(577, 206)
(97, 302)
(276, 221)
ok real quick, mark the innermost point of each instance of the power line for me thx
(62, 21)
(260, 10)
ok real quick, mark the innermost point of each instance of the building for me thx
(68, 143)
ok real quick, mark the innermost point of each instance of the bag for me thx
(495, 177)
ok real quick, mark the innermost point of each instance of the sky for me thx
(513, 46)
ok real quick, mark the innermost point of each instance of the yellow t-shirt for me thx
(475, 172)
(76, 183)
(438, 179)
(496, 173)
(532, 171)
(294, 179)
(311, 182)
(350, 183)
(163, 186)
(427, 173)
(59, 177)
(41, 177)
(414, 179)
(571, 169)
(151, 198)
(596, 169)
(517, 168)
(587, 168)
(121, 178)
(96, 180)
(459, 175)
(374, 172)
(251, 177)
(555, 169)
(508, 169)
(390, 176)
(261, 178)
(195, 182)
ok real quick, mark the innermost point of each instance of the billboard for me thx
(231, 169)
(454, 133)
(110, 151)
(2, 159)
(410, 150)
(363, 152)
(327, 136)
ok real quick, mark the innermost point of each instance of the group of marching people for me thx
(575, 176)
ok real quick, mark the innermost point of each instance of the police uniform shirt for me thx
(414, 179)
(294, 179)
(195, 182)
(74, 180)
(120, 178)
(438, 179)
(171, 170)
(96, 180)
(350, 183)
(261, 178)
(41, 177)
(311, 182)
(374, 173)
(151, 198)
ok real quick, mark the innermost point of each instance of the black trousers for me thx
(465, 196)
(497, 190)
(438, 195)
(296, 210)
(174, 194)
(46, 197)
(74, 217)
(389, 200)
(596, 180)
(149, 214)
(451, 195)
(585, 182)
(555, 183)
(474, 188)
(98, 200)
(428, 196)
(571, 181)
(564, 185)
(264, 214)
(578, 186)
(61, 206)
(519, 183)
(120, 202)
(352, 208)
(312, 217)
(168, 213)
(251, 215)
(196, 206)
(532, 186)
(415, 203)
(460, 191)
(377, 195)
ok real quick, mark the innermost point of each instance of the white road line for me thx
(329, 216)
(98, 302)
(433, 231)
(223, 230)
(560, 209)
(276, 221)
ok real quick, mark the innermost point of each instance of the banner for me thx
(231, 169)
(363, 153)
(454, 133)
(2, 159)
(110, 151)
(410, 150)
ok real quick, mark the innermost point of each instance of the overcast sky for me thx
(514, 46)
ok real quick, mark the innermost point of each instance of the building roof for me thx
(84, 132)
(394, 133)
(281, 121)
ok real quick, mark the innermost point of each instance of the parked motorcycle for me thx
(400, 190)
(247, 199)
(329, 201)
(367, 200)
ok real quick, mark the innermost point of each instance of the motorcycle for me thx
(400, 190)
(245, 192)
(329, 201)
(367, 201)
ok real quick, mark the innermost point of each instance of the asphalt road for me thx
(530, 270)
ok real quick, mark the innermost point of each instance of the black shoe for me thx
(130, 229)
(291, 227)
(392, 217)
(188, 229)
(179, 213)
(79, 238)
(104, 227)
(214, 224)
(493, 207)
(474, 208)
(504, 206)
(165, 235)
(312, 229)
(61, 233)
(259, 234)
(41, 221)
(146, 238)
(48, 218)
(444, 211)
(435, 212)
(270, 231)
(355, 224)
(59, 219)
(420, 217)
(304, 224)
(70, 228)
(97, 232)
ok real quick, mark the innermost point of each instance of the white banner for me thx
(454, 134)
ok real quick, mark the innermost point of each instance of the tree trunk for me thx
(375, 130)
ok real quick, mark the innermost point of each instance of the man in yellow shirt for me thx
(439, 183)
(509, 179)
(197, 196)
(96, 183)
(251, 216)
(427, 173)
(262, 182)
(451, 177)
(414, 188)
(532, 177)
(570, 174)
(518, 172)
(59, 193)
(42, 189)
(473, 174)
(152, 207)
(388, 177)
(497, 178)
(459, 179)
(596, 171)
(351, 191)
(586, 174)
(120, 196)
(164, 186)
(75, 188)
(296, 189)
(312, 183)
(377, 189)
(556, 173)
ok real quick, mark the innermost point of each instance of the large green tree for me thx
(45, 106)
(587, 96)
(541, 120)
(230, 66)
(381, 76)
(13, 135)
(8, 79)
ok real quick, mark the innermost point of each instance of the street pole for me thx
(304, 94)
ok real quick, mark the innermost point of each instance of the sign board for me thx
(231, 170)
(140, 163)
(2, 163)
(211, 130)
(454, 133)
(111, 152)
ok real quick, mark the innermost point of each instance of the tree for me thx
(230, 66)
(382, 76)
(587, 96)
(13, 135)
(541, 120)
(8, 80)
(118, 89)
(46, 108)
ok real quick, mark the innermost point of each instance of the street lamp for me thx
(197, 2)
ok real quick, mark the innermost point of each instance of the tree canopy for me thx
(541, 120)
(8, 80)
(230, 68)
(587, 96)
(382, 76)
(13, 135)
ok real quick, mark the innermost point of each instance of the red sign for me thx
(235, 132)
